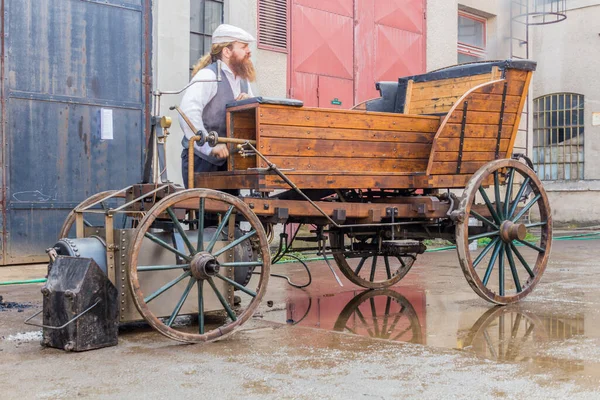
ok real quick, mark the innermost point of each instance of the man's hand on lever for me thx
(220, 151)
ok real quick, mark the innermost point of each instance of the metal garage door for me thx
(64, 61)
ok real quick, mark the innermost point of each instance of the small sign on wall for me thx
(596, 118)
(106, 124)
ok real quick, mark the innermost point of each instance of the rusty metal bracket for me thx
(463, 125)
(501, 121)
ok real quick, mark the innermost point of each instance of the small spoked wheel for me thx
(188, 288)
(98, 201)
(383, 314)
(367, 262)
(504, 239)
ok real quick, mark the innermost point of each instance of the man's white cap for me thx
(229, 33)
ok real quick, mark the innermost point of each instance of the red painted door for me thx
(343, 44)
(390, 43)
(322, 55)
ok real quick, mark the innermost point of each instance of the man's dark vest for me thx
(214, 113)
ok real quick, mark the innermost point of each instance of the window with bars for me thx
(205, 16)
(558, 136)
(471, 38)
(273, 25)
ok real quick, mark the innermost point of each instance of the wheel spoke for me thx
(201, 307)
(236, 285)
(179, 228)
(373, 266)
(490, 267)
(167, 246)
(374, 315)
(235, 243)
(527, 207)
(517, 199)
(386, 317)
(508, 191)
(219, 229)
(360, 265)
(167, 287)
(200, 244)
(364, 322)
(522, 260)
(222, 300)
(184, 296)
(161, 267)
(242, 264)
(490, 344)
(501, 270)
(513, 268)
(497, 195)
(398, 336)
(536, 224)
(483, 219)
(489, 205)
(387, 267)
(484, 235)
(533, 246)
(485, 251)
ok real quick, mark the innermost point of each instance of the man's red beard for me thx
(243, 68)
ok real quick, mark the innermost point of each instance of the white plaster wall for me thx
(271, 66)
(171, 44)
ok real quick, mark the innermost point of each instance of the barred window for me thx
(273, 25)
(205, 16)
(558, 136)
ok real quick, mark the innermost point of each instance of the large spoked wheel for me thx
(163, 292)
(383, 314)
(65, 231)
(511, 223)
(367, 263)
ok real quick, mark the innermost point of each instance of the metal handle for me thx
(58, 327)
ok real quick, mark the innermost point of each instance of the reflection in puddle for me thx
(505, 334)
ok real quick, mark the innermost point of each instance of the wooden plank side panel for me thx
(241, 125)
(482, 123)
(357, 165)
(342, 149)
(477, 102)
(350, 119)
(297, 132)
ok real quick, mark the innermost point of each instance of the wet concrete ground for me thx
(430, 337)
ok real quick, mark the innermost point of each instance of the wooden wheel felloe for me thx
(383, 314)
(365, 262)
(196, 278)
(512, 222)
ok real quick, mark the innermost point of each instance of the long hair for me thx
(215, 54)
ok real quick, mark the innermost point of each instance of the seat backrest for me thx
(481, 126)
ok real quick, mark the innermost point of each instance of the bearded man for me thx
(204, 102)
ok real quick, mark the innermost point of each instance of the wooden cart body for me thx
(428, 131)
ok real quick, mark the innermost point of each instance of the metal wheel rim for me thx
(349, 273)
(462, 230)
(138, 296)
(70, 219)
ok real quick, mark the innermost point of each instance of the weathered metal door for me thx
(343, 44)
(64, 62)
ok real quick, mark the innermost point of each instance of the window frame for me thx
(470, 50)
(203, 35)
(259, 41)
(546, 109)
